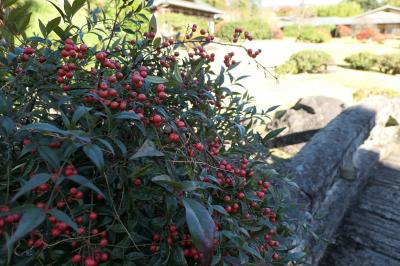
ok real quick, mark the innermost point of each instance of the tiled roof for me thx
(195, 5)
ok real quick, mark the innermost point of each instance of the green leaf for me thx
(62, 216)
(177, 73)
(95, 154)
(79, 112)
(68, 8)
(148, 149)
(153, 24)
(166, 181)
(194, 185)
(178, 258)
(76, 5)
(43, 127)
(58, 9)
(220, 79)
(35, 181)
(83, 181)
(31, 219)
(272, 134)
(126, 115)
(272, 108)
(52, 24)
(8, 3)
(42, 28)
(50, 156)
(156, 80)
(107, 145)
(201, 227)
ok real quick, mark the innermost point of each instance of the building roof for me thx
(383, 15)
(386, 8)
(195, 5)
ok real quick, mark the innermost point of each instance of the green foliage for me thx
(307, 61)
(389, 63)
(366, 4)
(260, 30)
(128, 152)
(364, 93)
(314, 35)
(343, 9)
(291, 31)
(362, 61)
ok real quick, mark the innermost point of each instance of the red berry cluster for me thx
(238, 32)
(73, 51)
(253, 54)
(228, 59)
(27, 53)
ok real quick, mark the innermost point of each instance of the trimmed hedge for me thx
(259, 29)
(314, 35)
(362, 61)
(388, 64)
(310, 34)
(307, 61)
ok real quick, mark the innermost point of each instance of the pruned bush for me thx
(259, 29)
(343, 31)
(362, 94)
(390, 64)
(314, 35)
(129, 152)
(367, 34)
(362, 61)
(308, 61)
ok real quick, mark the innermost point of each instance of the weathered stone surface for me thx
(317, 163)
(370, 232)
(303, 120)
(333, 167)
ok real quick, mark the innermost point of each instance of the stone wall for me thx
(332, 168)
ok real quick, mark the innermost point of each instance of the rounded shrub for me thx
(314, 35)
(307, 61)
(390, 64)
(130, 153)
(362, 61)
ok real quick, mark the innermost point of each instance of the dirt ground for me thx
(339, 82)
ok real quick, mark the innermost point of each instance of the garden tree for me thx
(392, 2)
(133, 151)
(345, 9)
(366, 4)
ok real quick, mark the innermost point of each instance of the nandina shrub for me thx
(130, 152)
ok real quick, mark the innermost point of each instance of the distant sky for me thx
(276, 3)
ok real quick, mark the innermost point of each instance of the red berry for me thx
(137, 182)
(241, 195)
(92, 216)
(157, 119)
(153, 248)
(141, 97)
(55, 232)
(76, 259)
(104, 242)
(156, 237)
(89, 261)
(112, 79)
